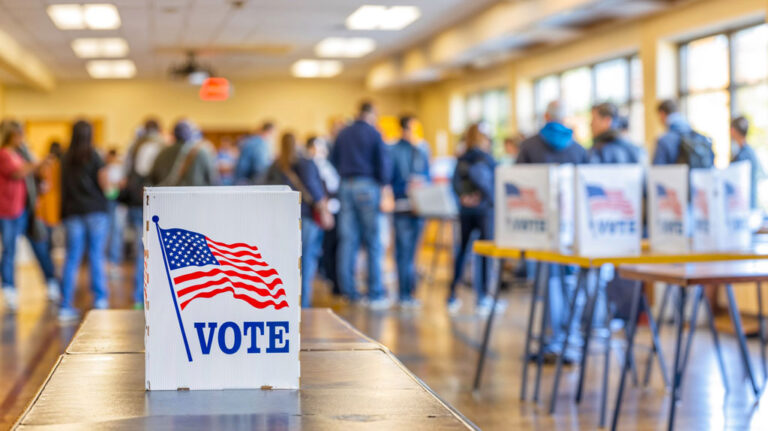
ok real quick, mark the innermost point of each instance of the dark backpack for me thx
(465, 184)
(695, 150)
(132, 192)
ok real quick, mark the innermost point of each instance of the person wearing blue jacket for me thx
(361, 158)
(410, 169)
(554, 144)
(668, 144)
(255, 155)
(473, 185)
(742, 151)
(608, 144)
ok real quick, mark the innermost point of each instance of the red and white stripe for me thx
(614, 200)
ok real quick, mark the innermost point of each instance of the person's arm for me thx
(310, 176)
(481, 175)
(243, 167)
(334, 156)
(383, 170)
(260, 156)
(427, 174)
(210, 171)
(522, 156)
(102, 172)
(660, 156)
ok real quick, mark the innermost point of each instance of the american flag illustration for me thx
(733, 200)
(203, 268)
(601, 199)
(518, 197)
(700, 203)
(668, 200)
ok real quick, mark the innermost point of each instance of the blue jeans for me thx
(472, 222)
(359, 220)
(115, 241)
(10, 229)
(85, 230)
(311, 246)
(42, 249)
(135, 219)
(407, 232)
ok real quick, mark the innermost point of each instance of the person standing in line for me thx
(362, 161)
(226, 158)
(189, 161)
(84, 210)
(255, 155)
(49, 202)
(742, 151)
(554, 144)
(14, 170)
(317, 151)
(138, 163)
(115, 178)
(511, 149)
(608, 143)
(301, 174)
(410, 169)
(680, 143)
(473, 185)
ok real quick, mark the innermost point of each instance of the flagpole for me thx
(156, 219)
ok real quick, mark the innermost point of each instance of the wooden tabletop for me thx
(699, 273)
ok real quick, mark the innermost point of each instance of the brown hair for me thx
(474, 137)
(287, 151)
(8, 128)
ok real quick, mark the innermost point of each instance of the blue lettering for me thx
(277, 341)
(205, 346)
(253, 326)
(223, 338)
(278, 332)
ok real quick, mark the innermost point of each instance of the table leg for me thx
(488, 324)
(716, 341)
(676, 375)
(736, 319)
(627, 356)
(589, 313)
(656, 345)
(542, 329)
(569, 324)
(606, 368)
(761, 328)
(437, 248)
(529, 329)
(691, 332)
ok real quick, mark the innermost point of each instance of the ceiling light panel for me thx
(111, 69)
(88, 16)
(339, 47)
(316, 68)
(112, 47)
(375, 17)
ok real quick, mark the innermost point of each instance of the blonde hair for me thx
(474, 137)
(287, 151)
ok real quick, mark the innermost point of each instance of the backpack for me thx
(132, 192)
(465, 184)
(695, 150)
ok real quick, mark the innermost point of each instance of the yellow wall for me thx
(303, 106)
(2, 100)
(653, 38)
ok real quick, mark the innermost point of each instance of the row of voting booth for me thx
(598, 210)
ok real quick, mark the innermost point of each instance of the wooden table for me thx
(342, 387)
(696, 275)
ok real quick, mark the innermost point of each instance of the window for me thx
(618, 80)
(723, 76)
(490, 107)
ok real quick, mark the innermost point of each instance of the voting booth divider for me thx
(222, 288)
(534, 206)
(668, 220)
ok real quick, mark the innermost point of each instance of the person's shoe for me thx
(410, 304)
(454, 305)
(379, 304)
(11, 298)
(68, 315)
(101, 304)
(138, 305)
(54, 291)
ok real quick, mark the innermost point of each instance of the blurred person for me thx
(255, 155)
(84, 210)
(680, 143)
(473, 185)
(362, 161)
(608, 142)
(742, 151)
(139, 160)
(302, 175)
(115, 180)
(15, 171)
(189, 161)
(410, 170)
(226, 159)
(511, 149)
(317, 150)
(49, 202)
(554, 143)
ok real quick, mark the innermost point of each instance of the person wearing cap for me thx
(742, 151)
(189, 161)
(608, 144)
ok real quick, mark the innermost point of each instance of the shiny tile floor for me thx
(441, 350)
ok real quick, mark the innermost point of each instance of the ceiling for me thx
(227, 33)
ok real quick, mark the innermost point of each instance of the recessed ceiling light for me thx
(112, 47)
(375, 17)
(111, 69)
(87, 16)
(316, 68)
(345, 47)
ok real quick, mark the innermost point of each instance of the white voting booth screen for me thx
(534, 206)
(608, 210)
(434, 200)
(668, 208)
(222, 288)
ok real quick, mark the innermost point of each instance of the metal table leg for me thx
(761, 328)
(677, 374)
(736, 319)
(716, 341)
(606, 368)
(691, 331)
(569, 324)
(488, 324)
(632, 324)
(542, 330)
(529, 329)
(656, 345)
(589, 315)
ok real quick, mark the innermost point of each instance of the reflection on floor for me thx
(441, 350)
